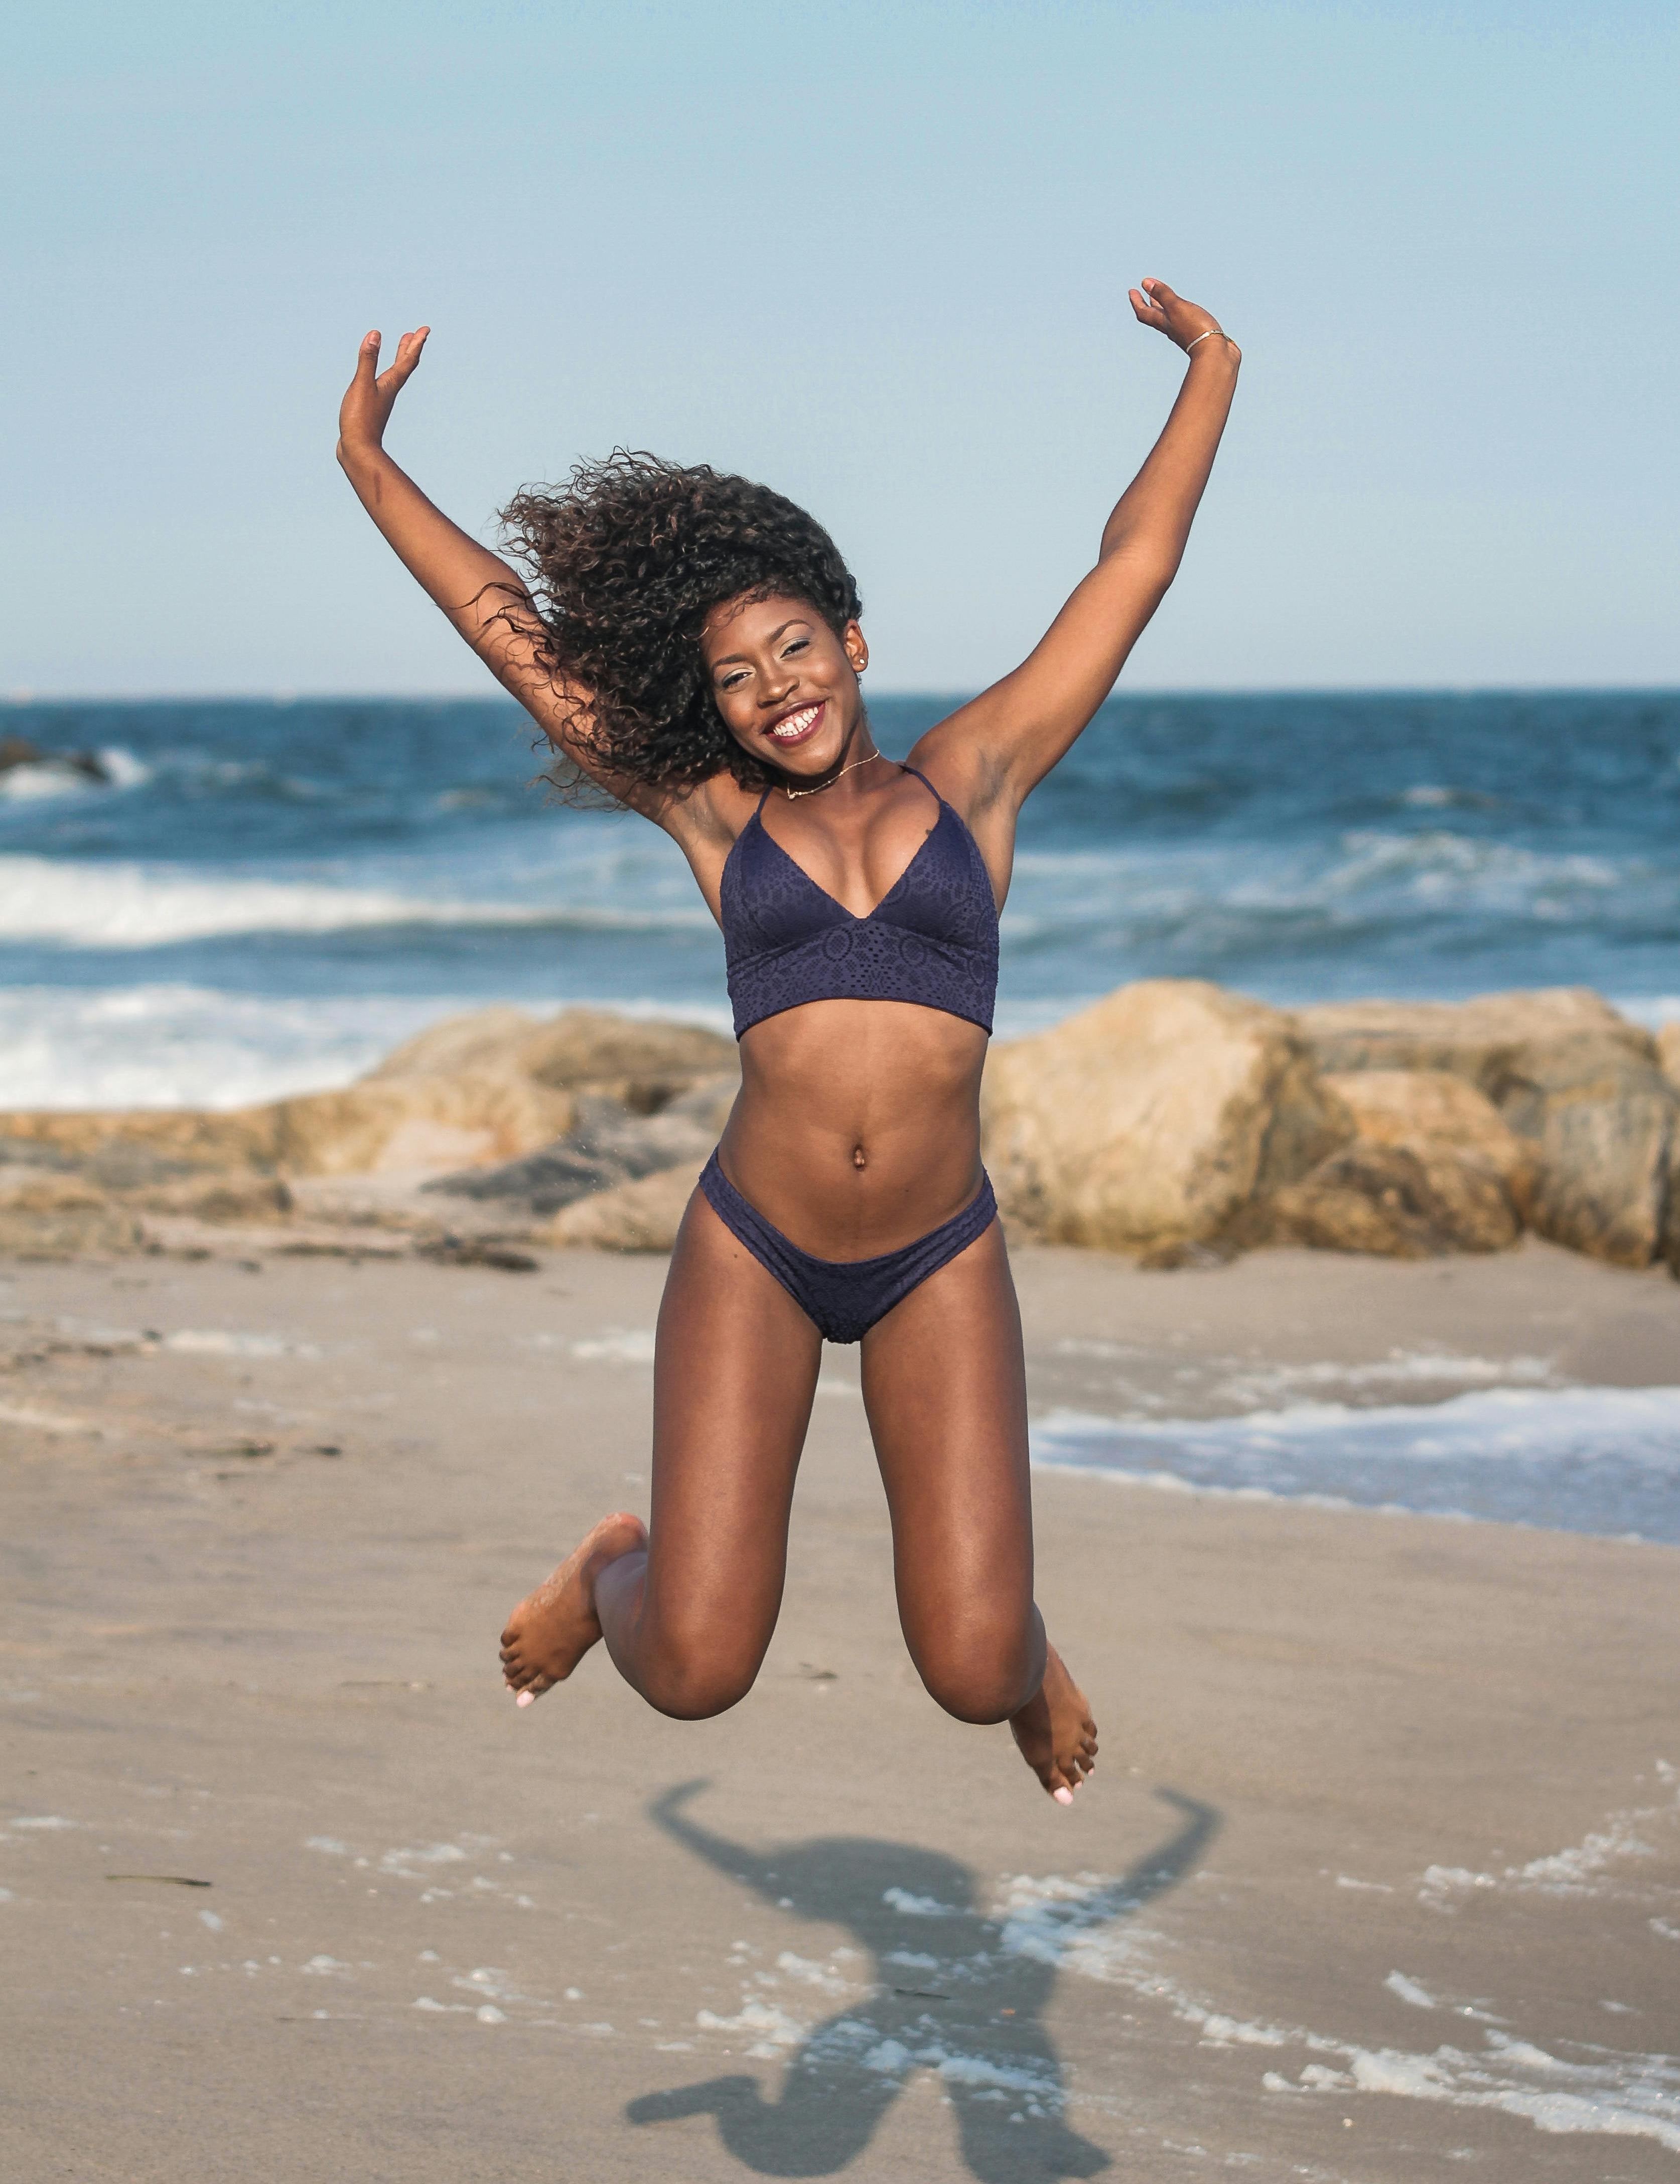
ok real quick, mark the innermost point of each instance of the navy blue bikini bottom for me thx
(845, 1297)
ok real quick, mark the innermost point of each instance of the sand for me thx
(1379, 1877)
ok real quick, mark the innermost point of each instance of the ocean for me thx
(263, 897)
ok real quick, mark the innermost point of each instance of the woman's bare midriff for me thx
(857, 1129)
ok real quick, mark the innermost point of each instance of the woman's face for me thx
(785, 686)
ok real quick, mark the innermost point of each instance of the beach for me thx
(1378, 1877)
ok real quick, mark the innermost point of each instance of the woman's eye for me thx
(797, 645)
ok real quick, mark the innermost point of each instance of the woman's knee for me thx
(982, 1676)
(694, 1682)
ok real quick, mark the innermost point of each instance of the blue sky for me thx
(878, 255)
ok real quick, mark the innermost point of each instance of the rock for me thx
(18, 750)
(1477, 1040)
(230, 1200)
(128, 1149)
(643, 1064)
(487, 1039)
(1668, 1052)
(1380, 1199)
(1568, 1074)
(608, 1145)
(636, 1217)
(384, 1125)
(1478, 1174)
(411, 1122)
(61, 1218)
(1147, 1122)
(519, 1118)
(475, 1251)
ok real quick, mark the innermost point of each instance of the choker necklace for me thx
(793, 795)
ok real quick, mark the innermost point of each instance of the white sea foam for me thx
(1590, 1459)
(772, 2030)
(1598, 1865)
(174, 1047)
(158, 1045)
(50, 777)
(229, 1342)
(97, 906)
(909, 1906)
(1587, 2089)
(617, 1346)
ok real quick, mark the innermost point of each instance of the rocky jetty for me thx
(1173, 1121)
(18, 754)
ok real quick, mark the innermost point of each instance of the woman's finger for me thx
(406, 357)
(1159, 292)
(367, 358)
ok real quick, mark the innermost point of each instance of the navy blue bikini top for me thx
(932, 939)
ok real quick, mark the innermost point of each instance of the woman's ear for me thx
(855, 649)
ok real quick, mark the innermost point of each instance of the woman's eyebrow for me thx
(725, 659)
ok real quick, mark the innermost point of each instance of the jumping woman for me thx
(691, 643)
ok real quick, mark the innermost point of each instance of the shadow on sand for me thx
(948, 1988)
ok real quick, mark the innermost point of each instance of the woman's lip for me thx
(785, 741)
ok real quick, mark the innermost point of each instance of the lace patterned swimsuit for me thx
(931, 939)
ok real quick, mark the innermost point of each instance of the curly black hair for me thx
(625, 563)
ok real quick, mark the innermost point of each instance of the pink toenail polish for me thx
(524, 1699)
(1063, 1796)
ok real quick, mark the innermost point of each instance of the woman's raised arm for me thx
(482, 594)
(1009, 738)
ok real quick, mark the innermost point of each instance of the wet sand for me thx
(1379, 1877)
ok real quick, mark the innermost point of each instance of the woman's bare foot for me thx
(552, 1629)
(1057, 1736)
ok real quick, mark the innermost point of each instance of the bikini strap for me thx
(925, 782)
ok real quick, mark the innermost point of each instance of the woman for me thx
(691, 643)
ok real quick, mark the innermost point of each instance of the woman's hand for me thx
(367, 402)
(1183, 322)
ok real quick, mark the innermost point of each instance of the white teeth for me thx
(796, 723)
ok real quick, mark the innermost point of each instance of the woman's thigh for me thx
(945, 1386)
(735, 1368)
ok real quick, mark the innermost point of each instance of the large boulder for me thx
(405, 1122)
(643, 1216)
(1476, 1040)
(387, 1124)
(1149, 1122)
(1584, 1087)
(472, 1092)
(1668, 1052)
(643, 1063)
(1433, 1167)
(608, 1145)
(1454, 1176)
(54, 1216)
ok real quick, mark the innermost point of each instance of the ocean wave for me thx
(40, 780)
(178, 1045)
(189, 1046)
(1600, 1460)
(1437, 863)
(91, 905)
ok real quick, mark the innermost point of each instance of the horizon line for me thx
(285, 696)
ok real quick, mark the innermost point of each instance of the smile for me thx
(794, 728)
